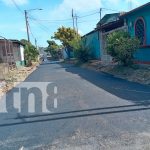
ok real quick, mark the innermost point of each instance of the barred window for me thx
(140, 30)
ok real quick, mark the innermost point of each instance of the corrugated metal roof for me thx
(109, 18)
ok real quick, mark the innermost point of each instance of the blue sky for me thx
(55, 13)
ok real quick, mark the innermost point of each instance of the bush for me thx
(82, 54)
(81, 51)
(31, 54)
(122, 47)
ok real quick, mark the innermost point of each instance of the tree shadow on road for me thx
(135, 92)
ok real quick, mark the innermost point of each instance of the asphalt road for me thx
(95, 111)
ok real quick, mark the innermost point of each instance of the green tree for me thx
(66, 35)
(122, 47)
(31, 53)
(53, 49)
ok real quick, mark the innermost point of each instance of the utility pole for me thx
(100, 15)
(36, 43)
(130, 5)
(76, 18)
(73, 19)
(27, 25)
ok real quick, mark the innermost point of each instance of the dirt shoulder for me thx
(136, 73)
(14, 77)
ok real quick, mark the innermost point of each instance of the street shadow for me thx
(74, 114)
(135, 92)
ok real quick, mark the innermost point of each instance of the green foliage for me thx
(53, 49)
(31, 53)
(122, 47)
(81, 51)
(65, 36)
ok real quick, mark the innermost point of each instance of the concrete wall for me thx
(93, 42)
(143, 54)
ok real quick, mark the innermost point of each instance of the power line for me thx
(42, 27)
(31, 32)
(19, 9)
(89, 12)
(68, 20)
(84, 21)
(36, 20)
(111, 9)
(88, 15)
(54, 20)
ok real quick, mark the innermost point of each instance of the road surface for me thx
(95, 111)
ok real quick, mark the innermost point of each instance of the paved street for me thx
(95, 111)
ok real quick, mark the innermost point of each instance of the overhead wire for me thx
(31, 32)
(19, 9)
(58, 21)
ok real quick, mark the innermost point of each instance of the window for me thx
(140, 30)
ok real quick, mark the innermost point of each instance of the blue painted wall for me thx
(93, 42)
(143, 54)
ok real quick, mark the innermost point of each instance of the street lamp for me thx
(27, 22)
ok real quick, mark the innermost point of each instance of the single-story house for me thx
(92, 41)
(108, 24)
(12, 52)
(96, 39)
(138, 23)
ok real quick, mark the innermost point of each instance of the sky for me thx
(55, 13)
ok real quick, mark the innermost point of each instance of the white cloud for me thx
(64, 9)
(81, 5)
(18, 2)
(134, 3)
(114, 2)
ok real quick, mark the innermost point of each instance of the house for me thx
(12, 52)
(96, 39)
(138, 23)
(108, 24)
(92, 41)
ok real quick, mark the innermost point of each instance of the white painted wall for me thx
(22, 52)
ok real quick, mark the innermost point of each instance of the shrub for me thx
(122, 47)
(81, 51)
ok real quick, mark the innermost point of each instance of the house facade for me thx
(12, 52)
(92, 41)
(108, 24)
(138, 23)
(96, 40)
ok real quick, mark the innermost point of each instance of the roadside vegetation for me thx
(65, 36)
(31, 53)
(72, 44)
(81, 51)
(122, 47)
(54, 50)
